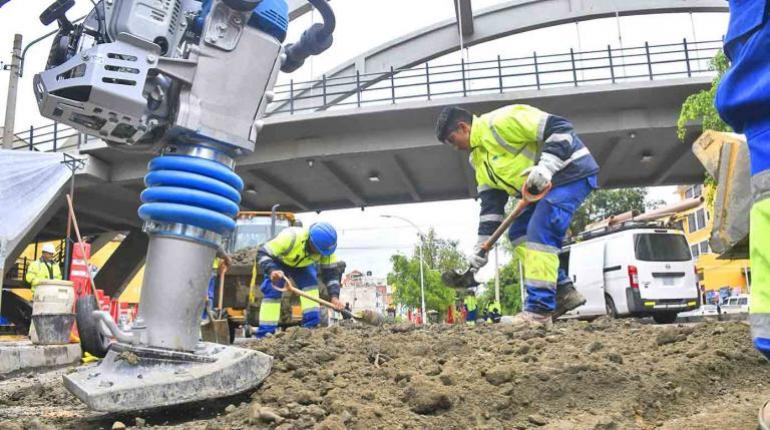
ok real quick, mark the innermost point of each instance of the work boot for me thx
(567, 299)
(525, 320)
(764, 417)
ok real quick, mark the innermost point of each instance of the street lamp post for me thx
(422, 262)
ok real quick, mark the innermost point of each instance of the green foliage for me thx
(604, 203)
(510, 291)
(439, 254)
(700, 106)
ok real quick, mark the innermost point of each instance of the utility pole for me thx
(13, 88)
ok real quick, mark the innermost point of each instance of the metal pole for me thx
(574, 71)
(31, 138)
(500, 73)
(462, 71)
(291, 96)
(392, 87)
(55, 124)
(422, 281)
(427, 79)
(497, 278)
(612, 67)
(687, 57)
(13, 88)
(649, 63)
(324, 89)
(537, 71)
(358, 87)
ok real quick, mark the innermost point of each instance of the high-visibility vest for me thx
(470, 303)
(39, 271)
(504, 143)
(290, 248)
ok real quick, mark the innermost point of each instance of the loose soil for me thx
(601, 376)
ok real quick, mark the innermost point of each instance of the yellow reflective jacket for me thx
(504, 143)
(39, 271)
(290, 248)
(470, 303)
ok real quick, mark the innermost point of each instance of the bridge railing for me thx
(49, 138)
(430, 81)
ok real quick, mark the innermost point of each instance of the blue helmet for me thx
(323, 237)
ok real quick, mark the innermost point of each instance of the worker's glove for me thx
(540, 175)
(478, 261)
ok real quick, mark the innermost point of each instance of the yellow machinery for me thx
(726, 158)
(242, 297)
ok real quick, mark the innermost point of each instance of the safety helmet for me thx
(48, 247)
(323, 237)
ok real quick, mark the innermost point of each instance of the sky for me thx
(366, 239)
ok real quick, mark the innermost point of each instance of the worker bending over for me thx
(43, 268)
(513, 148)
(295, 252)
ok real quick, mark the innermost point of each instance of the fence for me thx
(428, 82)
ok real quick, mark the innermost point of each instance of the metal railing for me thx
(428, 82)
(49, 138)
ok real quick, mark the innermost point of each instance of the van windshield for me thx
(661, 247)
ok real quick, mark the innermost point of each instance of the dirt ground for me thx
(603, 375)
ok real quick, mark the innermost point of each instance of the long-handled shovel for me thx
(466, 279)
(370, 318)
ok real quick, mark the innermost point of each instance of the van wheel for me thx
(609, 305)
(664, 318)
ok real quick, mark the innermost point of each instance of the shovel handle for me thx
(526, 199)
(289, 286)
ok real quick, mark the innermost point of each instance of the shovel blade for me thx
(459, 280)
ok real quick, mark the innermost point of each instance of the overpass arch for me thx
(501, 20)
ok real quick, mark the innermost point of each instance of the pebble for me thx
(230, 409)
(499, 375)
(537, 419)
(139, 422)
(118, 425)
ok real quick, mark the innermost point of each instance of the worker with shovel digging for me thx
(515, 150)
(295, 252)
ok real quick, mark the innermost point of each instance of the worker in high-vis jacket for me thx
(743, 101)
(519, 147)
(471, 306)
(295, 253)
(43, 268)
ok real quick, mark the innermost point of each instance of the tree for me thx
(605, 203)
(700, 106)
(440, 254)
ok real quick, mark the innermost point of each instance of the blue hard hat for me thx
(323, 237)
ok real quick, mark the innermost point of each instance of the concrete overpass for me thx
(388, 154)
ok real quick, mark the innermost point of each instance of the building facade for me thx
(717, 278)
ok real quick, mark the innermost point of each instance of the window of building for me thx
(700, 215)
(704, 247)
(694, 250)
(696, 220)
(694, 191)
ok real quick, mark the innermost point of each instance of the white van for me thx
(632, 270)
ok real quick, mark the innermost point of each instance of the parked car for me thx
(736, 304)
(632, 270)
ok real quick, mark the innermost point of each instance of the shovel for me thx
(216, 329)
(371, 318)
(466, 279)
